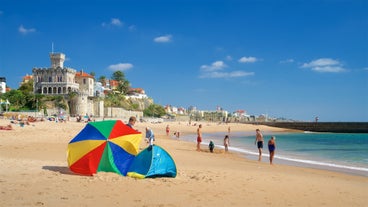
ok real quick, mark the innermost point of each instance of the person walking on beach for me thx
(271, 148)
(199, 137)
(167, 130)
(226, 142)
(150, 137)
(131, 122)
(259, 142)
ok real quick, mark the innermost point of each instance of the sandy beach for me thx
(34, 172)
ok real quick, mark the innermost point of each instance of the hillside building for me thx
(60, 80)
(2, 85)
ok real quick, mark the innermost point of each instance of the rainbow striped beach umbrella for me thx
(108, 146)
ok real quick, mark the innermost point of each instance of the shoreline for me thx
(297, 162)
(37, 174)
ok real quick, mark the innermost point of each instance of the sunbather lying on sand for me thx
(8, 127)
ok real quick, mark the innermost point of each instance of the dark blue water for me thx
(334, 151)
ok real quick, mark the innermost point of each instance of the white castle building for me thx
(2, 85)
(60, 80)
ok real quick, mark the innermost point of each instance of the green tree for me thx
(102, 79)
(124, 87)
(72, 101)
(27, 87)
(16, 98)
(154, 110)
(93, 74)
(30, 100)
(124, 84)
(118, 76)
(40, 103)
(60, 102)
(113, 100)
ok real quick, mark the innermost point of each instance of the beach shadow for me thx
(215, 151)
(184, 149)
(59, 169)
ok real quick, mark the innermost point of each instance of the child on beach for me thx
(211, 146)
(226, 142)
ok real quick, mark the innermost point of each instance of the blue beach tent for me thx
(152, 162)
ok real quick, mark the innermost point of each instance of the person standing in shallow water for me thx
(226, 143)
(259, 142)
(272, 148)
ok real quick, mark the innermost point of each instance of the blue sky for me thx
(293, 59)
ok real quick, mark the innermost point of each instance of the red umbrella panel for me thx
(108, 146)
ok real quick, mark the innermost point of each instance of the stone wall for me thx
(336, 127)
(120, 113)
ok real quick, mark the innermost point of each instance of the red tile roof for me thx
(83, 74)
(137, 90)
(113, 84)
(27, 78)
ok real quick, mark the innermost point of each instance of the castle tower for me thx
(57, 60)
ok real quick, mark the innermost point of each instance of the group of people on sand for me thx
(271, 145)
(259, 141)
(211, 145)
(176, 133)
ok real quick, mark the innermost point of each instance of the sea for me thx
(347, 153)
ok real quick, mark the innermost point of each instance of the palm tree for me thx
(72, 101)
(102, 79)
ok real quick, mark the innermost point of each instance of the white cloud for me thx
(215, 71)
(163, 39)
(121, 66)
(248, 60)
(113, 22)
(116, 22)
(287, 61)
(217, 65)
(325, 65)
(132, 28)
(233, 74)
(321, 62)
(229, 58)
(329, 69)
(25, 31)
